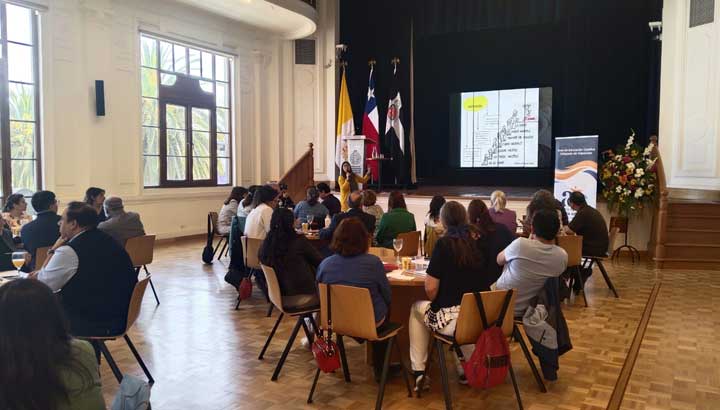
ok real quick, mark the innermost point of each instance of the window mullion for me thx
(5, 108)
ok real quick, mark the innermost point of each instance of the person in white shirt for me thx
(257, 224)
(528, 263)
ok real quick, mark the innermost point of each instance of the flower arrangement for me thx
(629, 177)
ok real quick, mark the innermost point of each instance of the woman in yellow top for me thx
(348, 182)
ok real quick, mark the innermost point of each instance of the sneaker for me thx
(422, 382)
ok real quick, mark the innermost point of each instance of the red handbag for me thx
(324, 350)
(245, 288)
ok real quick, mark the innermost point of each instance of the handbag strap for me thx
(329, 311)
(481, 308)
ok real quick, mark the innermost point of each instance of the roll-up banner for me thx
(576, 169)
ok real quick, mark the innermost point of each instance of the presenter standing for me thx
(348, 182)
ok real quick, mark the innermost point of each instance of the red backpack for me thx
(489, 363)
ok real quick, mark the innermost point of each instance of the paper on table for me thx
(398, 275)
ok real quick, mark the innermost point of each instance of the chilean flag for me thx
(370, 127)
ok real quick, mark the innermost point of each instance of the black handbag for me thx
(207, 253)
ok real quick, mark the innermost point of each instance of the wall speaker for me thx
(99, 98)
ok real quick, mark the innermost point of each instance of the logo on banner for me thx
(576, 169)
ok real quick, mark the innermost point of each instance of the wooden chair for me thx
(133, 313)
(589, 261)
(411, 243)
(572, 244)
(431, 237)
(40, 256)
(224, 239)
(353, 316)
(469, 328)
(141, 250)
(251, 248)
(381, 252)
(300, 312)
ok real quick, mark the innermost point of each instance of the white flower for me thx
(630, 165)
(618, 189)
(639, 172)
(618, 157)
(639, 193)
(627, 192)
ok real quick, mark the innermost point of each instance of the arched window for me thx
(186, 114)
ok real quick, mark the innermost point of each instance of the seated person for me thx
(95, 197)
(456, 267)
(43, 366)
(396, 221)
(91, 272)
(355, 211)
(433, 226)
(370, 206)
(245, 206)
(529, 262)
(352, 265)
(44, 230)
(119, 224)
(311, 206)
(230, 209)
(284, 201)
(294, 259)
(14, 213)
(543, 199)
(589, 223)
(493, 236)
(257, 224)
(500, 214)
(328, 199)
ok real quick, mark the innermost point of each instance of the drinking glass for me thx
(397, 245)
(18, 260)
(310, 219)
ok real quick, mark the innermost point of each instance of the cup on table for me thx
(305, 227)
(406, 262)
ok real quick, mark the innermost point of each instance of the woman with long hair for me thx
(246, 205)
(348, 182)
(493, 237)
(456, 267)
(230, 209)
(13, 213)
(293, 257)
(397, 220)
(433, 227)
(95, 197)
(43, 367)
(499, 212)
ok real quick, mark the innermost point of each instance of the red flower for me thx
(623, 179)
(626, 159)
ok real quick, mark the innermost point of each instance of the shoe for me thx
(422, 382)
(462, 380)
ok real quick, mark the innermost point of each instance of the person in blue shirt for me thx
(311, 206)
(351, 265)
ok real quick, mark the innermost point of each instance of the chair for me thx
(250, 249)
(353, 316)
(133, 313)
(411, 243)
(572, 244)
(468, 329)
(431, 238)
(589, 261)
(381, 252)
(40, 256)
(612, 234)
(213, 219)
(301, 313)
(141, 250)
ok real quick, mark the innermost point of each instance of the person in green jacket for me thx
(396, 221)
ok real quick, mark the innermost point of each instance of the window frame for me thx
(184, 93)
(6, 159)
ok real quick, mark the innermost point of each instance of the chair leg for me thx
(343, 358)
(220, 255)
(215, 249)
(518, 337)
(308, 334)
(578, 277)
(383, 378)
(444, 374)
(515, 386)
(237, 305)
(113, 366)
(293, 335)
(270, 336)
(270, 309)
(139, 359)
(157, 300)
(404, 370)
(607, 278)
(312, 389)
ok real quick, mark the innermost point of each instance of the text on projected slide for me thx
(499, 128)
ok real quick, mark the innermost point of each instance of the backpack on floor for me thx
(489, 363)
(207, 253)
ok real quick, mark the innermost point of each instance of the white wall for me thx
(278, 107)
(689, 97)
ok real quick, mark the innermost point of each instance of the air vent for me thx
(702, 12)
(305, 52)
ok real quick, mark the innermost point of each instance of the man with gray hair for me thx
(120, 225)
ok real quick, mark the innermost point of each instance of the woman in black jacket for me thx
(294, 259)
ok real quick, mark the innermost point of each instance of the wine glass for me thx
(310, 219)
(18, 260)
(397, 245)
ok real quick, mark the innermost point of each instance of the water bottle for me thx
(374, 152)
(327, 220)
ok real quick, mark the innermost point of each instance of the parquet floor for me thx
(203, 354)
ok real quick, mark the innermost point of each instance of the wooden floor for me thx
(203, 354)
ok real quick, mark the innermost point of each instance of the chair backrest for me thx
(431, 238)
(273, 286)
(250, 248)
(141, 249)
(352, 311)
(213, 222)
(381, 252)
(411, 243)
(614, 231)
(469, 323)
(572, 244)
(40, 256)
(136, 301)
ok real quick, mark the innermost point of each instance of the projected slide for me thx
(499, 128)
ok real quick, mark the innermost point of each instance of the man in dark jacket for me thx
(328, 199)
(355, 211)
(44, 230)
(91, 273)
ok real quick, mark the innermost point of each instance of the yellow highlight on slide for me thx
(476, 103)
